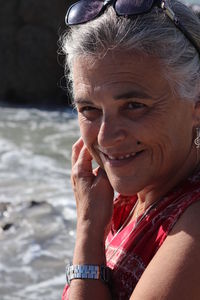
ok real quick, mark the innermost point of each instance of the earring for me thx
(197, 140)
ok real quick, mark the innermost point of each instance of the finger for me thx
(82, 169)
(76, 149)
(85, 160)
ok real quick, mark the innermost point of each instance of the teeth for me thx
(111, 157)
(122, 157)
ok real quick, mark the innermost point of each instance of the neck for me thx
(153, 193)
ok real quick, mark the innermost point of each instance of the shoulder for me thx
(174, 271)
(189, 223)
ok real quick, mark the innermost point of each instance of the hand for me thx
(92, 190)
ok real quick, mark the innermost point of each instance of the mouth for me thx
(119, 159)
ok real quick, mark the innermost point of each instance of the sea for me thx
(189, 2)
(37, 207)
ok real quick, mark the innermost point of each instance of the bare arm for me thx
(94, 200)
(88, 250)
(174, 272)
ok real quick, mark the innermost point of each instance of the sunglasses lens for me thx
(131, 7)
(83, 11)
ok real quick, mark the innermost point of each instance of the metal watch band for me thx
(88, 272)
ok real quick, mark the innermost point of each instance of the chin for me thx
(124, 188)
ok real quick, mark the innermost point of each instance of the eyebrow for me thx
(123, 96)
(82, 101)
(132, 94)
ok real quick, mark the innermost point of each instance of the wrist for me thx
(89, 247)
(96, 272)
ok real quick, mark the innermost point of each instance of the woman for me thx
(135, 74)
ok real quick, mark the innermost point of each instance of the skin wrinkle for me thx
(125, 96)
(164, 142)
(139, 78)
(159, 103)
(111, 126)
(116, 82)
(162, 124)
(143, 33)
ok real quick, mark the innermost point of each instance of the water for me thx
(191, 2)
(37, 209)
(36, 202)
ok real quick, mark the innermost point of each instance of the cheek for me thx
(166, 147)
(149, 133)
(157, 139)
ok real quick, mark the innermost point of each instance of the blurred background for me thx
(31, 73)
(37, 130)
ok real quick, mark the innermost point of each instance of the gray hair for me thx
(153, 33)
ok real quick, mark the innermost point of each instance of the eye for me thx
(86, 109)
(89, 112)
(135, 105)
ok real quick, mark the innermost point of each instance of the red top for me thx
(131, 256)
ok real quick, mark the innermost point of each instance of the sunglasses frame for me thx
(160, 3)
(105, 4)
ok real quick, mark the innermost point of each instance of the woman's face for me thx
(133, 125)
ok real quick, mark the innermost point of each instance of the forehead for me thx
(118, 70)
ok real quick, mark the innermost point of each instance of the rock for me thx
(7, 226)
(39, 63)
(34, 203)
(43, 13)
(29, 32)
(7, 49)
(7, 12)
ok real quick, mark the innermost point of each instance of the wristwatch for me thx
(88, 272)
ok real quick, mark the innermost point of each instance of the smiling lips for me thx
(119, 157)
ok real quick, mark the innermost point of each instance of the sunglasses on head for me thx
(84, 11)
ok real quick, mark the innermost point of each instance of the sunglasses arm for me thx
(169, 12)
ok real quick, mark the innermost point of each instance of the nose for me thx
(111, 133)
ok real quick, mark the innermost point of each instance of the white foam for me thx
(35, 151)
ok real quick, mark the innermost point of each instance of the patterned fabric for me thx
(128, 257)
